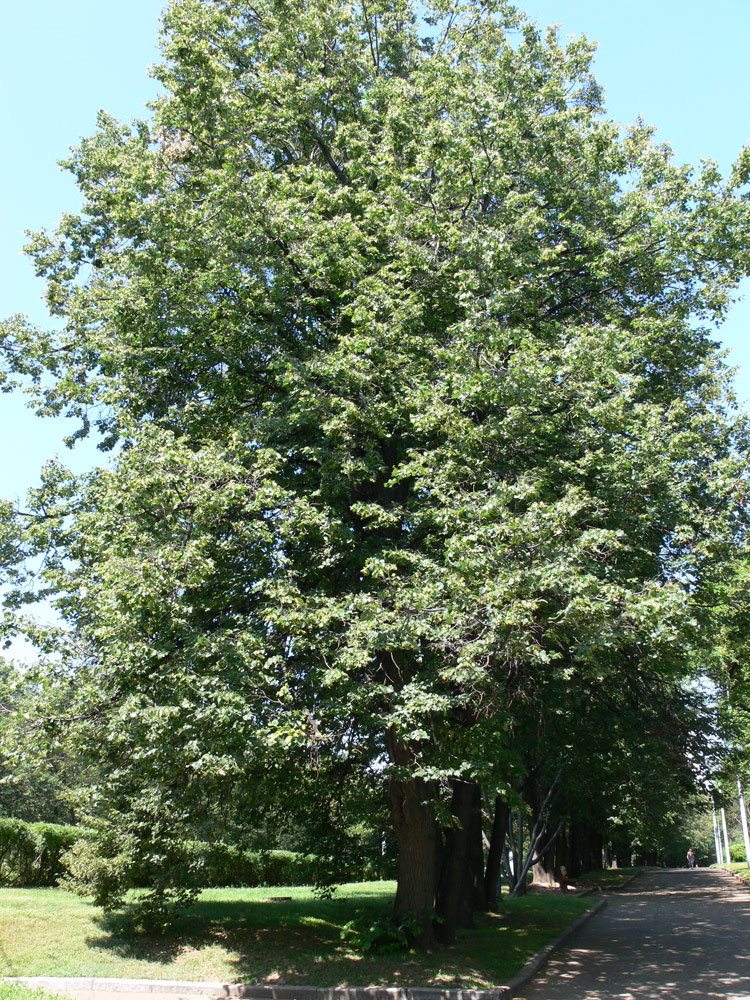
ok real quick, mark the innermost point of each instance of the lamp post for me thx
(726, 835)
(717, 837)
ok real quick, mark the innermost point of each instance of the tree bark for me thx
(544, 870)
(473, 890)
(453, 907)
(519, 889)
(597, 851)
(419, 841)
(574, 842)
(495, 854)
(453, 861)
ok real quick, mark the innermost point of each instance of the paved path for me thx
(671, 935)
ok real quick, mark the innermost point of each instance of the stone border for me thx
(247, 992)
(260, 992)
(537, 962)
(742, 877)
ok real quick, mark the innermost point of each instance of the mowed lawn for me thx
(241, 935)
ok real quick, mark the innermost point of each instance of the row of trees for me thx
(425, 462)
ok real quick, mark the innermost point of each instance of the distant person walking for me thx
(690, 858)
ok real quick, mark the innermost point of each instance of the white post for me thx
(717, 839)
(726, 835)
(743, 817)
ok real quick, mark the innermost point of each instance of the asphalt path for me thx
(670, 934)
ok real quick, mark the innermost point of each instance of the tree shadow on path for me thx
(671, 934)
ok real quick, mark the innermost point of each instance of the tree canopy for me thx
(424, 447)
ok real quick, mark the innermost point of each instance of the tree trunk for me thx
(454, 902)
(473, 890)
(574, 847)
(562, 851)
(419, 841)
(544, 870)
(626, 854)
(495, 854)
(519, 889)
(586, 847)
(597, 851)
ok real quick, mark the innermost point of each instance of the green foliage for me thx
(426, 452)
(737, 852)
(225, 865)
(94, 869)
(36, 774)
(385, 936)
(31, 854)
(18, 991)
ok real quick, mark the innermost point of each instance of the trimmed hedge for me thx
(31, 853)
(214, 866)
(94, 868)
(217, 865)
(46, 854)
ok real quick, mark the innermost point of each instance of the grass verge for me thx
(240, 935)
(17, 991)
(738, 868)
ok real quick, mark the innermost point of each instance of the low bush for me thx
(387, 935)
(737, 852)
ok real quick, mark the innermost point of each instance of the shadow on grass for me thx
(271, 941)
(305, 942)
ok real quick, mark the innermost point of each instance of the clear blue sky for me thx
(681, 64)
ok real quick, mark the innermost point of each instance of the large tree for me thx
(407, 353)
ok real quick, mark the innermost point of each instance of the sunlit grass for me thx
(239, 935)
(17, 991)
(739, 868)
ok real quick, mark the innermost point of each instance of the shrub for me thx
(385, 936)
(737, 852)
(91, 869)
(31, 853)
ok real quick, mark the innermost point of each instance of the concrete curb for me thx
(248, 992)
(68, 984)
(165, 986)
(537, 962)
(742, 877)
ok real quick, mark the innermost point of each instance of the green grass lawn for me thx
(238, 935)
(17, 991)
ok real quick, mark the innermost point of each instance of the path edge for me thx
(742, 877)
(506, 991)
(537, 962)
